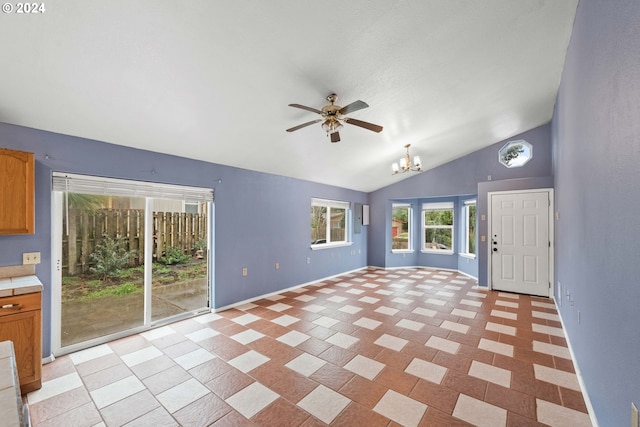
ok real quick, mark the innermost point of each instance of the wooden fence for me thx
(184, 231)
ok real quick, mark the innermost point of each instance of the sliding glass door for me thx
(128, 256)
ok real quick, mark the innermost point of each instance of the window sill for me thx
(424, 251)
(402, 251)
(330, 245)
(470, 256)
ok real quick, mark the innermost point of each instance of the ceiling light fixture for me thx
(405, 163)
(331, 125)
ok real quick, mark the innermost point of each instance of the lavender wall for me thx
(596, 146)
(260, 219)
(460, 177)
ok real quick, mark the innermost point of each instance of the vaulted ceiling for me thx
(212, 80)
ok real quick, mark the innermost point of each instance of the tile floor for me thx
(411, 347)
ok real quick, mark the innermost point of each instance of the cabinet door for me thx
(16, 192)
(24, 330)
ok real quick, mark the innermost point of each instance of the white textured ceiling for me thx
(211, 80)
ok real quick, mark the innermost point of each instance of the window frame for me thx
(467, 204)
(409, 227)
(329, 205)
(438, 206)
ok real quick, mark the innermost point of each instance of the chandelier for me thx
(405, 163)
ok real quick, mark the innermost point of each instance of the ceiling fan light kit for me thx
(333, 116)
(404, 165)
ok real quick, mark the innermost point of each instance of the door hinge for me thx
(549, 243)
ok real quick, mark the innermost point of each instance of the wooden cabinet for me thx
(16, 192)
(20, 322)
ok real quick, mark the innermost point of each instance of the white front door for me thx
(520, 242)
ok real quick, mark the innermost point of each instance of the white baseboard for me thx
(583, 388)
(250, 300)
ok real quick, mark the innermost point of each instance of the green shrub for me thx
(174, 256)
(109, 258)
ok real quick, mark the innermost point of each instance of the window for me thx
(437, 220)
(401, 227)
(515, 153)
(469, 212)
(329, 219)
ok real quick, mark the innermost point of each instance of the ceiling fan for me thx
(333, 115)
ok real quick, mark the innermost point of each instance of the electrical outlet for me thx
(245, 271)
(483, 238)
(31, 258)
(277, 266)
(308, 260)
(635, 421)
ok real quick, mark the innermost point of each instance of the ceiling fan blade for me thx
(303, 125)
(354, 106)
(362, 124)
(313, 110)
(335, 137)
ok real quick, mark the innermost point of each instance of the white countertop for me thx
(20, 285)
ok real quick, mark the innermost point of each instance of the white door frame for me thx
(551, 234)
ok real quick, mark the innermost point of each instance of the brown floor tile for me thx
(572, 399)
(435, 396)
(337, 355)
(332, 376)
(130, 408)
(128, 345)
(204, 411)
(166, 379)
(106, 376)
(209, 370)
(357, 415)
(436, 418)
(294, 386)
(465, 384)
(396, 380)
(85, 415)
(223, 346)
(395, 360)
(452, 361)
(180, 347)
(187, 326)
(363, 391)
(516, 420)
(229, 383)
(98, 364)
(279, 413)
(57, 405)
(511, 400)
(234, 419)
(62, 366)
(314, 346)
(533, 387)
(563, 364)
(169, 340)
(270, 373)
(152, 367)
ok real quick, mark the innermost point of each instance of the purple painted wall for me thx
(462, 177)
(260, 219)
(596, 147)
